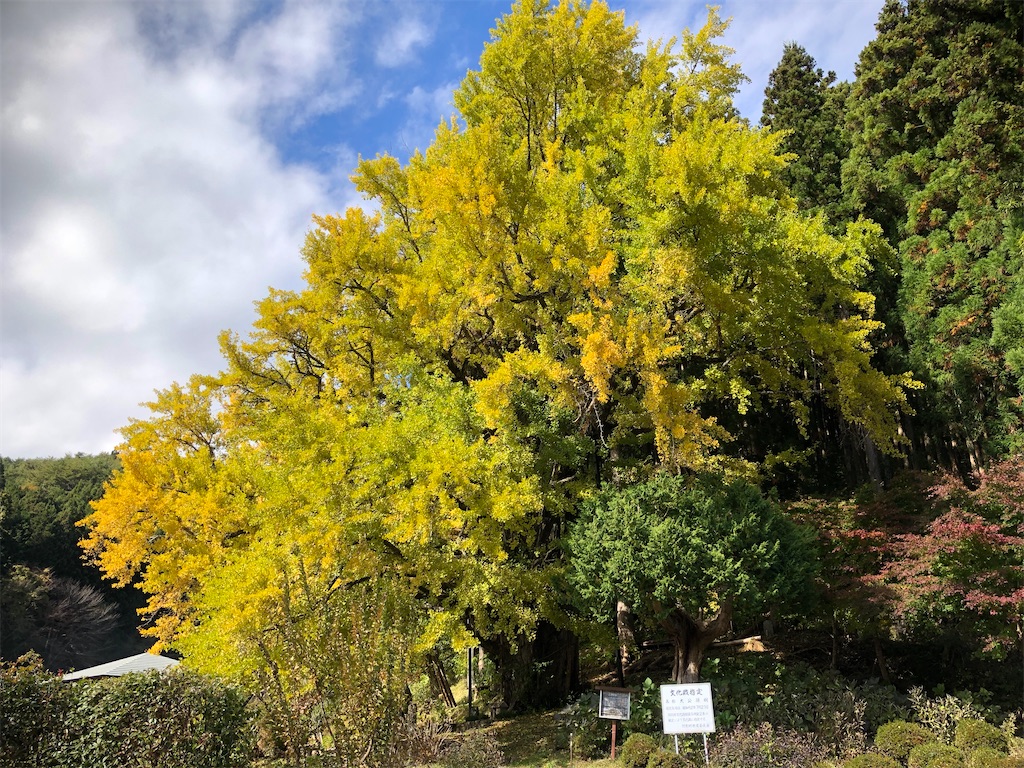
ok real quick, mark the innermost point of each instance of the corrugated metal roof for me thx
(142, 662)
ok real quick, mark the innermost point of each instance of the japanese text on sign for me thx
(613, 704)
(687, 708)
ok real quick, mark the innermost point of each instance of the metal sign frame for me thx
(614, 703)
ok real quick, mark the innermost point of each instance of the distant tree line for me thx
(52, 601)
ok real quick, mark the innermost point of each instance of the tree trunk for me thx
(627, 638)
(439, 679)
(883, 667)
(691, 638)
(540, 673)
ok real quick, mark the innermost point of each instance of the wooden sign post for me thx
(613, 704)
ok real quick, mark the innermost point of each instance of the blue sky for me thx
(160, 161)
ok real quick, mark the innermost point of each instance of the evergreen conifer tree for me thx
(937, 128)
(809, 105)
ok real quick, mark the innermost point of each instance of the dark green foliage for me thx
(871, 760)
(755, 688)
(637, 750)
(972, 734)
(806, 103)
(688, 556)
(35, 708)
(52, 601)
(173, 720)
(43, 499)
(897, 738)
(936, 117)
(766, 747)
(68, 621)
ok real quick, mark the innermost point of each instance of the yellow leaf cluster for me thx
(597, 268)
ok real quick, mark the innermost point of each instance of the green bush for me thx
(871, 760)
(637, 750)
(173, 720)
(662, 758)
(987, 757)
(954, 758)
(176, 719)
(589, 736)
(644, 711)
(972, 734)
(941, 714)
(757, 688)
(922, 755)
(898, 737)
(34, 706)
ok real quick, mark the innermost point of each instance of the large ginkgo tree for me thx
(593, 271)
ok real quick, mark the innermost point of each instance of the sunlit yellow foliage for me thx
(596, 268)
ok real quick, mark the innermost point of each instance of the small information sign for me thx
(613, 704)
(687, 708)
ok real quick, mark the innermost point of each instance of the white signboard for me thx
(687, 708)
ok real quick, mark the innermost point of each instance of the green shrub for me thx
(941, 714)
(756, 688)
(644, 711)
(588, 735)
(990, 758)
(173, 720)
(34, 706)
(637, 750)
(663, 758)
(972, 734)
(897, 738)
(987, 757)
(871, 760)
(922, 755)
(953, 758)
(176, 719)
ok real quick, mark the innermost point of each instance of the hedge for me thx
(174, 719)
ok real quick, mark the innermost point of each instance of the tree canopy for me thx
(689, 558)
(936, 123)
(594, 272)
(809, 107)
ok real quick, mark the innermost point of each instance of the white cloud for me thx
(833, 33)
(144, 204)
(426, 110)
(402, 40)
(143, 210)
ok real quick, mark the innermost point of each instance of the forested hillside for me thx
(52, 601)
(608, 364)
